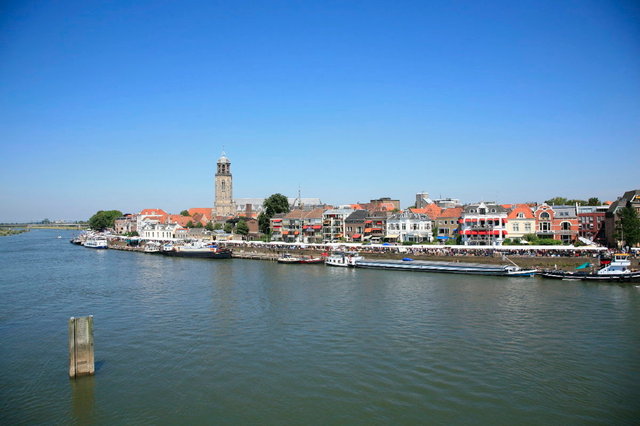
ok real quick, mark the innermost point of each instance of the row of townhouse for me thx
(352, 225)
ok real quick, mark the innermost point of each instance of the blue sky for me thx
(127, 105)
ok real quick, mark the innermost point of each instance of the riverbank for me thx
(525, 262)
(7, 232)
(271, 253)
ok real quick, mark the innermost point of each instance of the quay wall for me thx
(272, 253)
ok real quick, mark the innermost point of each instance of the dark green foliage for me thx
(189, 224)
(104, 219)
(185, 213)
(242, 228)
(557, 201)
(593, 201)
(276, 203)
(630, 223)
(198, 225)
(228, 228)
(217, 226)
(209, 226)
(263, 223)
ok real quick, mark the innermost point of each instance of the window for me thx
(527, 227)
(544, 216)
(520, 215)
(516, 227)
(545, 226)
(565, 226)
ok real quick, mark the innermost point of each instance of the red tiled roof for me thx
(431, 210)
(202, 210)
(451, 212)
(521, 208)
(179, 219)
(154, 212)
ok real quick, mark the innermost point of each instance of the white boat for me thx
(96, 243)
(344, 259)
(618, 270)
(152, 247)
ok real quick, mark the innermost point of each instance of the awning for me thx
(277, 220)
(317, 226)
(367, 229)
(356, 236)
(285, 232)
(376, 229)
(443, 237)
(368, 221)
(392, 236)
(296, 232)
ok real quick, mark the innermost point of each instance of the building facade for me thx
(483, 224)
(448, 224)
(520, 222)
(613, 227)
(333, 224)
(409, 227)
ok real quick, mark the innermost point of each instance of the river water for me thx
(253, 342)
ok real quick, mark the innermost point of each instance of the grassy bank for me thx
(6, 232)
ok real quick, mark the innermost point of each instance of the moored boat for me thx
(287, 258)
(198, 250)
(96, 243)
(447, 267)
(343, 259)
(616, 270)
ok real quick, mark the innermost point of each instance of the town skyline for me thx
(127, 106)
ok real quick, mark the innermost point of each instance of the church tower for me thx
(223, 204)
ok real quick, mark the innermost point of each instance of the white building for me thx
(158, 231)
(410, 227)
(483, 224)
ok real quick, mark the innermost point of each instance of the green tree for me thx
(228, 228)
(276, 203)
(104, 219)
(593, 201)
(209, 226)
(242, 228)
(578, 202)
(198, 225)
(189, 224)
(264, 222)
(557, 201)
(217, 226)
(185, 213)
(630, 223)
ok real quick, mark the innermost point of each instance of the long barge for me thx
(446, 267)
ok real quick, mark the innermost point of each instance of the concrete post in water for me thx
(81, 362)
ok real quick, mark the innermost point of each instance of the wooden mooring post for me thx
(81, 362)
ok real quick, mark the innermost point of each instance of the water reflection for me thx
(83, 399)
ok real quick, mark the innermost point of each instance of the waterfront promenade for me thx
(540, 257)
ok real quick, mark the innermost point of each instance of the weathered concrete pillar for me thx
(81, 362)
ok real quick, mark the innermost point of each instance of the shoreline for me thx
(525, 262)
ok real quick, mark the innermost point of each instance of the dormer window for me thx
(520, 215)
(493, 210)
